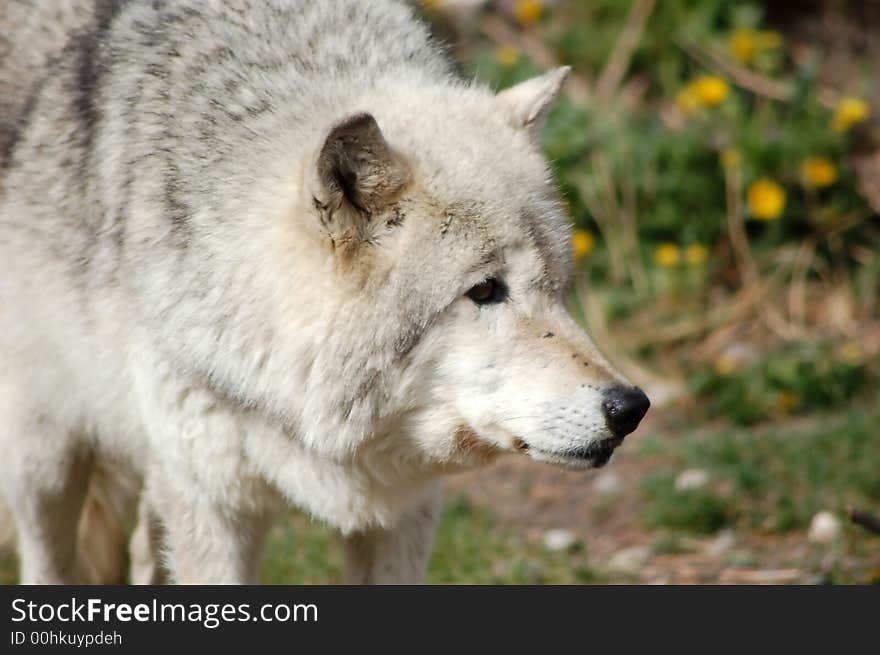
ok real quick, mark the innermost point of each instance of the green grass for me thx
(812, 376)
(8, 568)
(469, 549)
(699, 511)
(773, 478)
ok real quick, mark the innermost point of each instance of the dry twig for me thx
(716, 60)
(866, 520)
(618, 62)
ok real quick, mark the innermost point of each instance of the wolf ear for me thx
(358, 175)
(528, 103)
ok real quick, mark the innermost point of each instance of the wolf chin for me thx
(268, 252)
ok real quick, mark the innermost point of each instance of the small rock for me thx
(824, 528)
(607, 483)
(760, 576)
(691, 479)
(558, 540)
(630, 560)
(722, 543)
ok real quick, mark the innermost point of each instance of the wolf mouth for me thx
(595, 455)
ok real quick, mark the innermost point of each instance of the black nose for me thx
(624, 407)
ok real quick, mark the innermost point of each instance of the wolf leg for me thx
(145, 549)
(104, 522)
(397, 554)
(45, 484)
(209, 541)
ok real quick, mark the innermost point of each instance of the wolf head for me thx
(447, 255)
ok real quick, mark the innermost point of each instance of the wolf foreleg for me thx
(397, 554)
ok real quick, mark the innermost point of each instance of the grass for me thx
(699, 511)
(8, 568)
(773, 479)
(469, 549)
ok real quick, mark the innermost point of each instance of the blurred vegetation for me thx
(771, 480)
(728, 250)
(468, 549)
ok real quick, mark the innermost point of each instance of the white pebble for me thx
(630, 560)
(691, 479)
(557, 540)
(824, 528)
(722, 544)
(607, 483)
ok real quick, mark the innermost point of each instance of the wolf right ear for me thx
(358, 175)
(528, 103)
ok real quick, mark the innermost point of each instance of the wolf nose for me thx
(624, 407)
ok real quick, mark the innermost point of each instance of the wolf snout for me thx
(624, 408)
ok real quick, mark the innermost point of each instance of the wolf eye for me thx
(488, 292)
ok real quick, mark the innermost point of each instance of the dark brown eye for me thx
(487, 292)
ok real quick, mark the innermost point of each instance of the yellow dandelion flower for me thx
(583, 243)
(743, 45)
(731, 158)
(507, 55)
(849, 112)
(766, 199)
(710, 90)
(528, 12)
(852, 353)
(786, 401)
(696, 254)
(431, 5)
(667, 255)
(705, 91)
(818, 172)
(726, 364)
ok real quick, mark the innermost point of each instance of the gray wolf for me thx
(267, 252)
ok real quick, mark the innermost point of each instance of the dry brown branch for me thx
(738, 238)
(602, 203)
(731, 313)
(717, 61)
(763, 576)
(866, 520)
(619, 60)
(797, 290)
(868, 171)
(629, 219)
